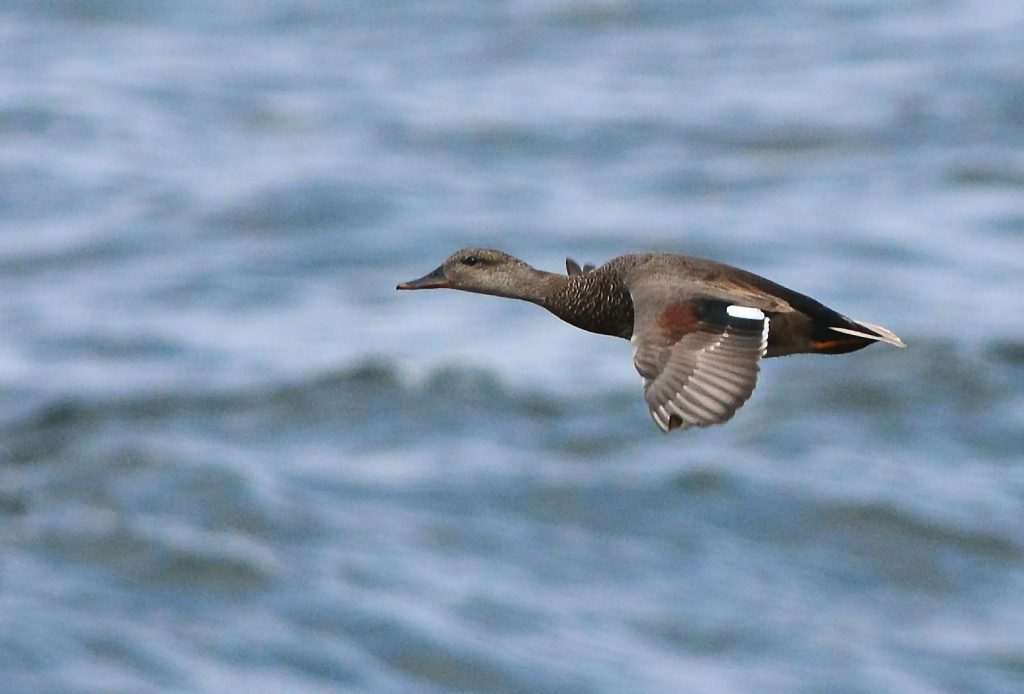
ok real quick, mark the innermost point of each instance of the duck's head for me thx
(480, 270)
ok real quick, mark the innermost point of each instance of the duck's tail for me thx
(859, 334)
(875, 332)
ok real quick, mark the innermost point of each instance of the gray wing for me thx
(699, 357)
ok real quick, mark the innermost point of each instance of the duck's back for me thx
(799, 323)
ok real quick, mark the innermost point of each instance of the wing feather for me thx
(699, 357)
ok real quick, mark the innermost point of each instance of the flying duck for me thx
(699, 328)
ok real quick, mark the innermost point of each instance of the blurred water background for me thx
(233, 458)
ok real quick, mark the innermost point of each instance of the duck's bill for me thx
(435, 280)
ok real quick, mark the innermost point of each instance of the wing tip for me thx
(668, 422)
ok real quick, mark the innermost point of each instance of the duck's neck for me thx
(594, 301)
(537, 286)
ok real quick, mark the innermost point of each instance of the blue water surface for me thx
(233, 458)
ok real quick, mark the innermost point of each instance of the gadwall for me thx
(698, 328)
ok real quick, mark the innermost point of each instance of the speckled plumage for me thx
(597, 301)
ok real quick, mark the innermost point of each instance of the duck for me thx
(699, 328)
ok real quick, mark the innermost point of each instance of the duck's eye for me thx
(471, 261)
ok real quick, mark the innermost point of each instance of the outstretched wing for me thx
(699, 357)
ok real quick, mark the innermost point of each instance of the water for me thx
(232, 456)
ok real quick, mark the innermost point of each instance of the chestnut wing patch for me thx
(698, 358)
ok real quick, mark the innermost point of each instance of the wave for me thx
(376, 403)
(973, 393)
(878, 526)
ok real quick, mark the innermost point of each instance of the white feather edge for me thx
(883, 335)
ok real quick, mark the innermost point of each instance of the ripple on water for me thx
(917, 553)
(157, 551)
(305, 206)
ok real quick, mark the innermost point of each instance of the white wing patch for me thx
(737, 311)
